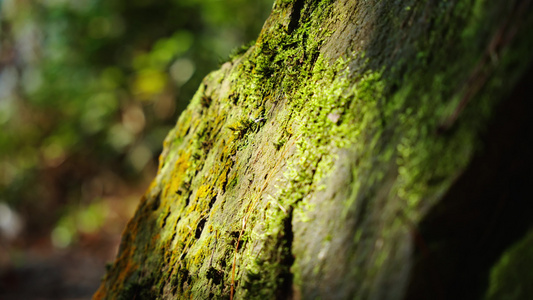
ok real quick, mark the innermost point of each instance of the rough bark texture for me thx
(358, 150)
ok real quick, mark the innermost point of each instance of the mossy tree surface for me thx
(334, 159)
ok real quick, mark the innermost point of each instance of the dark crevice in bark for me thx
(157, 202)
(164, 222)
(485, 211)
(295, 15)
(213, 200)
(287, 259)
(200, 228)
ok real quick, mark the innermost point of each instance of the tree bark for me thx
(358, 150)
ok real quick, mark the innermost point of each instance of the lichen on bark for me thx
(304, 167)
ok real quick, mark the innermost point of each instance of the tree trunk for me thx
(358, 150)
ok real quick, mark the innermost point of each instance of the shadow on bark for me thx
(484, 213)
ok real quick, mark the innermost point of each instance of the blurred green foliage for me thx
(510, 276)
(90, 88)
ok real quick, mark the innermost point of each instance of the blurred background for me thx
(88, 91)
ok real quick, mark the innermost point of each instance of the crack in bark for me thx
(295, 15)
